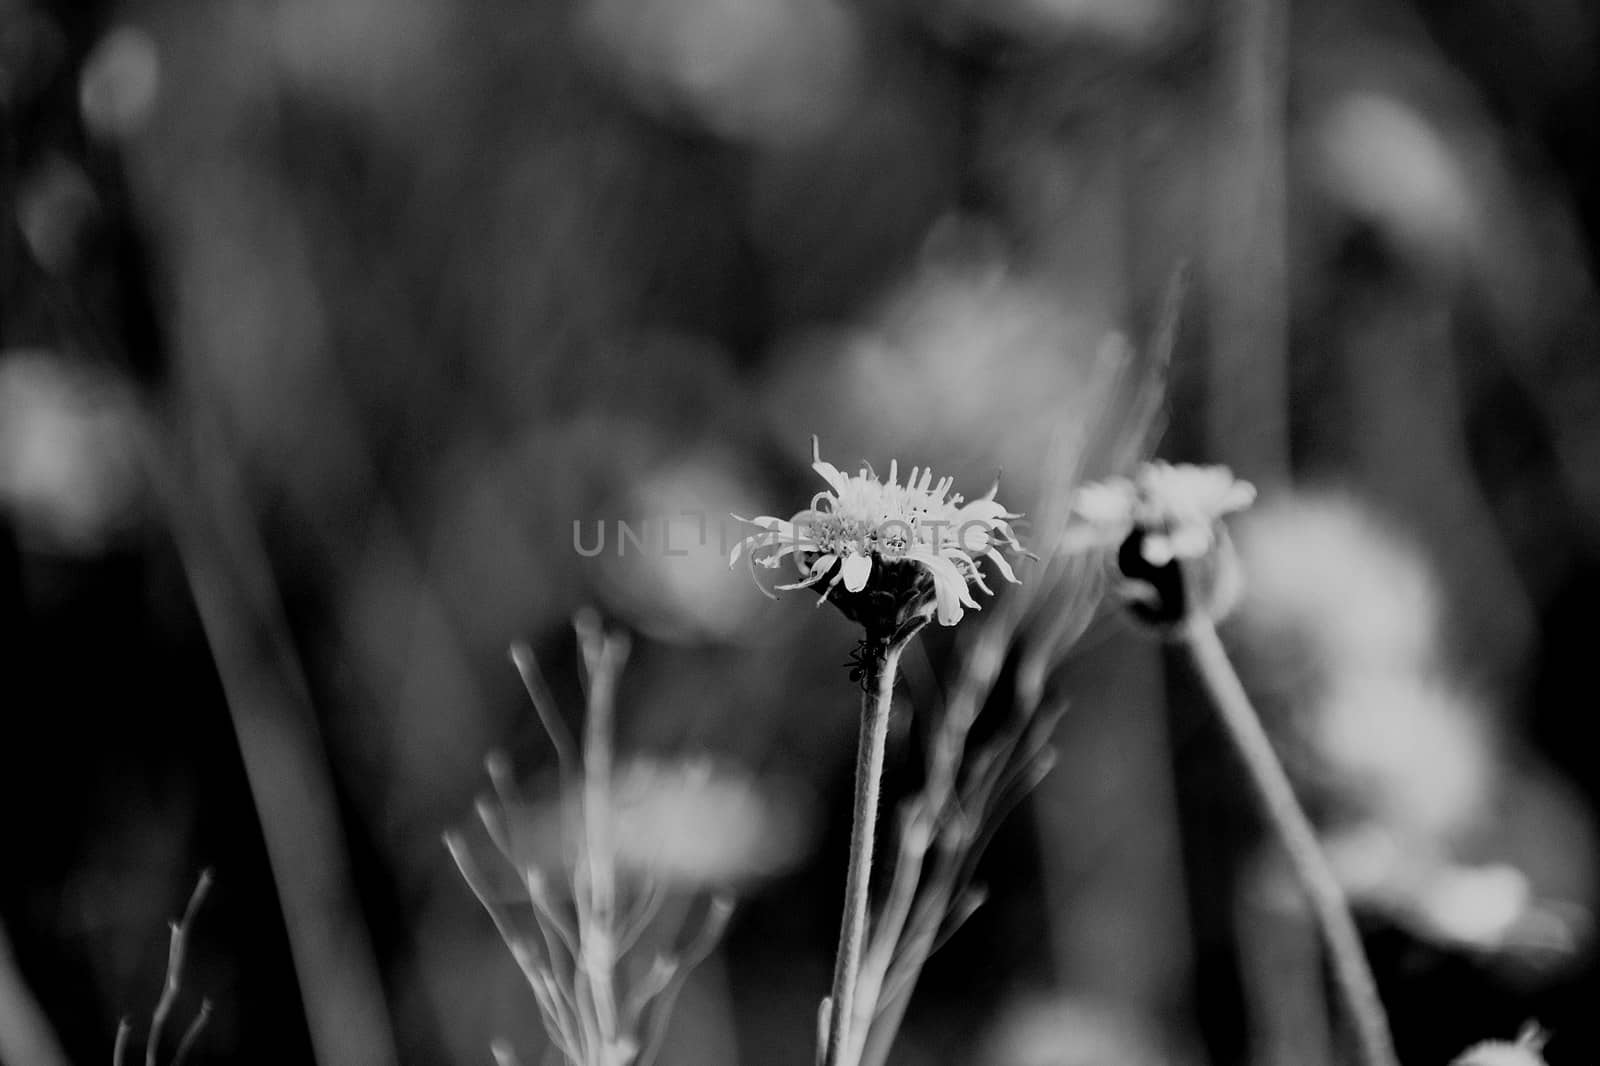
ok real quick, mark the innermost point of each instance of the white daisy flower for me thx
(891, 547)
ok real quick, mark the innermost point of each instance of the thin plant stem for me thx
(876, 701)
(280, 741)
(192, 1034)
(604, 656)
(1351, 972)
(177, 952)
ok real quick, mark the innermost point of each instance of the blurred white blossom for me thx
(767, 71)
(1412, 751)
(691, 822)
(121, 80)
(69, 452)
(1062, 1030)
(1176, 507)
(1333, 580)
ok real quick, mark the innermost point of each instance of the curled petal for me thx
(1002, 565)
(752, 543)
(950, 590)
(947, 575)
(973, 535)
(827, 470)
(981, 512)
(819, 570)
(772, 529)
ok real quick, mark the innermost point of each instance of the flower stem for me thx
(1352, 974)
(883, 660)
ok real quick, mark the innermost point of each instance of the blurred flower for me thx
(892, 546)
(1163, 516)
(1487, 909)
(597, 862)
(700, 822)
(56, 210)
(120, 82)
(1069, 1031)
(1430, 827)
(1177, 508)
(692, 822)
(1329, 580)
(1005, 356)
(1408, 750)
(1527, 1051)
(68, 452)
(672, 589)
(1387, 162)
(1477, 906)
(763, 71)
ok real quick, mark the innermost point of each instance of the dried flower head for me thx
(886, 552)
(1165, 518)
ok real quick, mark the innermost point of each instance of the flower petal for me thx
(857, 569)
(947, 574)
(1191, 540)
(827, 470)
(1002, 565)
(773, 531)
(1090, 536)
(1109, 502)
(819, 570)
(1157, 549)
(1240, 495)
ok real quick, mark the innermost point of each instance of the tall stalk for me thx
(882, 665)
(1351, 972)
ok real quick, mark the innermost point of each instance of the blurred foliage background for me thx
(333, 331)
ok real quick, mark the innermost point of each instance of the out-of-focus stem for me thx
(25, 1032)
(1247, 401)
(280, 744)
(1352, 975)
(1284, 987)
(875, 704)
